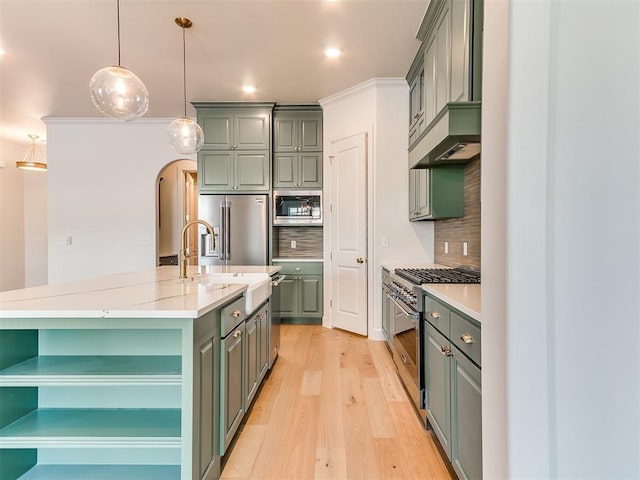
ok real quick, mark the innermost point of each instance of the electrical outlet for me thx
(446, 247)
(464, 249)
(294, 244)
(385, 242)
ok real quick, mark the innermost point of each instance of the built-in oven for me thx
(297, 207)
(406, 330)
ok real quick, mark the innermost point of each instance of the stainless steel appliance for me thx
(240, 224)
(301, 207)
(403, 290)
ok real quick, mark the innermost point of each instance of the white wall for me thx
(11, 217)
(379, 107)
(572, 238)
(102, 193)
(35, 228)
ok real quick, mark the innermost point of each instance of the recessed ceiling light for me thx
(248, 89)
(333, 52)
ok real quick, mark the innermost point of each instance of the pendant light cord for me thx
(118, 14)
(184, 72)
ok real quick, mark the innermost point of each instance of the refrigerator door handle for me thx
(223, 235)
(227, 231)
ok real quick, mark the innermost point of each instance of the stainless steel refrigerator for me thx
(240, 223)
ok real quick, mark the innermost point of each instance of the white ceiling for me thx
(53, 47)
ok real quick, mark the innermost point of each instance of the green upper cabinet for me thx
(237, 128)
(297, 170)
(447, 68)
(436, 193)
(233, 171)
(236, 156)
(297, 131)
(297, 146)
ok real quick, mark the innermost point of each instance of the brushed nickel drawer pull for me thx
(298, 269)
(236, 314)
(237, 333)
(466, 338)
(435, 315)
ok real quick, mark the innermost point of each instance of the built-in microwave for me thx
(297, 207)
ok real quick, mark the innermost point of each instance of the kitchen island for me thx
(118, 376)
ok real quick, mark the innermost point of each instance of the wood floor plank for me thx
(311, 382)
(332, 408)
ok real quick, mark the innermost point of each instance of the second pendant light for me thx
(185, 135)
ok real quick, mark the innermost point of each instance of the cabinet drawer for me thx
(231, 316)
(461, 330)
(437, 314)
(302, 268)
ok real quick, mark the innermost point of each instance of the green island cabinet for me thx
(244, 359)
(447, 67)
(436, 193)
(298, 297)
(297, 146)
(453, 385)
(236, 156)
(98, 398)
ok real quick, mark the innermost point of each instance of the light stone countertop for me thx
(156, 293)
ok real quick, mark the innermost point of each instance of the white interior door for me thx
(349, 233)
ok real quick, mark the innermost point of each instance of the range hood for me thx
(453, 137)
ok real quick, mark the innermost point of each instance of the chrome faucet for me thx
(184, 250)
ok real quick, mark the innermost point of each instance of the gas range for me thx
(405, 283)
(418, 276)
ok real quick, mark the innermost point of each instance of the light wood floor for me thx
(332, 408)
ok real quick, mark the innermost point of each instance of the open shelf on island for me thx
(67, 427)
(91, 370)
(102, 472)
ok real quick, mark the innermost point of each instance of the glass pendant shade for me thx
(119, 93)
(185, 136)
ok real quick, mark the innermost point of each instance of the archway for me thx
(176, 204)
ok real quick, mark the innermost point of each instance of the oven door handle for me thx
(414, 315)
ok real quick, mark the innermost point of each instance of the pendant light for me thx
(185, 135)
(118, 92)
(30, 160)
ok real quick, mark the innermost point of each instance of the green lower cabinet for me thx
(299, 297)
(231, 385)
(453, 386)
(466, 417)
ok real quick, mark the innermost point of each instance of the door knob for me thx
(360, 260)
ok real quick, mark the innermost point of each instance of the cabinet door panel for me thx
(207, 411)
(252, 170)
(311, 133)
(437, 386)
(443, 49)
(311, 295)
(216, 170)
(423, 206)
(232, 405)
(310, 170)
(218, 130)
(252, 336)
(263, 353)
(413, 173)
(466, 417)
(252, 131)
(459, 50)
(286, 298)
(430, 80)
(285, 170)
(285, 133)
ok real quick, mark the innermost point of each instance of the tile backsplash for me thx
(455, 231)
(308, 241)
